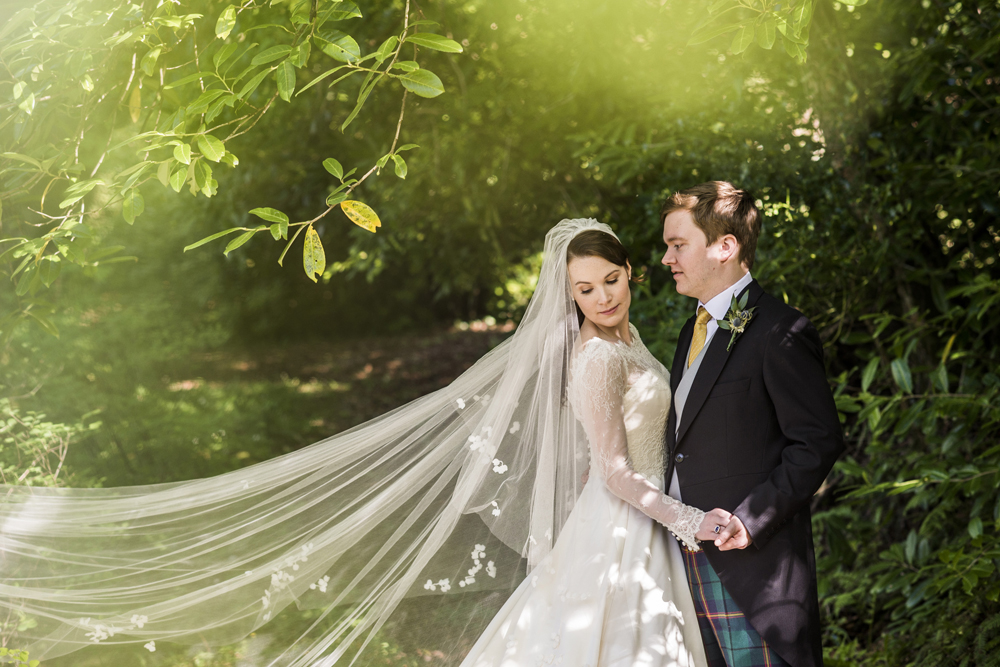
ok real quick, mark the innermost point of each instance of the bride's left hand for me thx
(707, 529)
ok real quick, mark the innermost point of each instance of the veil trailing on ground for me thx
(407, 531)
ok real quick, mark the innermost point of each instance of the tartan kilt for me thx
(730, 640)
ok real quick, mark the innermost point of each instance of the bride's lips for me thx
(608, 312)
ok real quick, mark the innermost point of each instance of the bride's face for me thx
(601, 289)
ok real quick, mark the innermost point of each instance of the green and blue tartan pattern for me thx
(730, 640)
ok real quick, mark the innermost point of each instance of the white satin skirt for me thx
(611, 593)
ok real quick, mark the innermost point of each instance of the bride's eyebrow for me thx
(584, 282)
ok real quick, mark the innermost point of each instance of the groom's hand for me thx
(733, 536)
(717, 519)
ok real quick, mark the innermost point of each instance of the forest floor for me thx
(205, 414)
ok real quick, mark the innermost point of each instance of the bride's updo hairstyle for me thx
(595, 243)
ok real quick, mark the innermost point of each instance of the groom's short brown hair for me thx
(718, 208)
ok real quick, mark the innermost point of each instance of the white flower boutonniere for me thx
(737, 319)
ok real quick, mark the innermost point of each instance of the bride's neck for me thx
(619, 332)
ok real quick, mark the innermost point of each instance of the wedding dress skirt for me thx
(611, 593)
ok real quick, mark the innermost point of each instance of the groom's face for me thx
(694, 264)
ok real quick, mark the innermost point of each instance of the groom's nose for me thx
(667, 259)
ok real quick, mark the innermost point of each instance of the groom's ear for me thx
(729, 248)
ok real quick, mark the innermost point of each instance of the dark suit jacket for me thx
(758, 435)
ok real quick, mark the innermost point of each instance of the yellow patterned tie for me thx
(700, 333)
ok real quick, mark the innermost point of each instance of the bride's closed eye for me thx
(588, 291)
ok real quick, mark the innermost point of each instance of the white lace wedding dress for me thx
(612, 592)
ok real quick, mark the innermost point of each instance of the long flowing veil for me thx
(418, 523)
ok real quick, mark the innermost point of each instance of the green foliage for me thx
(16, 658)
(188, 90)
(32, 449)
(874, 163)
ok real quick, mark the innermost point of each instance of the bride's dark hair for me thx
(595, 243)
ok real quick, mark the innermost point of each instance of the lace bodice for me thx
(621, 394)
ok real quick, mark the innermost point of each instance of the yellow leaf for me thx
(135, 104)
(361, 214)
(313, 256)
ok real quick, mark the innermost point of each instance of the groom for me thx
(753, 431)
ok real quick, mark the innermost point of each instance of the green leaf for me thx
(802, 15)
(133, 205)
(188, 79)
(224, 54)
(339, 45)
(743, 39)
(285, 76)
(333, 167)
(24, 284)
(51, 329)
(178, 177)
(766, 35)
(313, 255)
(323, 76)
(901, 374)
(270, 55)
(406, 147)
(216, 108)
(338, 11)
(975, 528)
(869, 374)
(49, 268)
(279, 230)
(182, 153)
(226, 23)
(422, 82)
(386, 49)
(201, 103)
(148, 63)
(16, 20)
(210, 147)
(366, 88)
(240, 240)
(336, 198)
(436, 42)
(939, 376)
(400, 167)
(406, 65)
(300, 55)
(211, 238)
(793, 49)
(203, 178)
(252, 84)
(163, 173)
(269, 214)
(711, 31)
(78, 191)
(853, 3)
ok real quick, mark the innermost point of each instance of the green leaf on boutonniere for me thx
(737, 319)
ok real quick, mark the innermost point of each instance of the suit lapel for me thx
(715, 360)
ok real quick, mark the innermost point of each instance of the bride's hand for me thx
(707, 529)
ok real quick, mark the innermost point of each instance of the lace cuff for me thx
(685, 522)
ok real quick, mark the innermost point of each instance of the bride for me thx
(463, 522)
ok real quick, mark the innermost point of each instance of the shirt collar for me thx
(719, 304)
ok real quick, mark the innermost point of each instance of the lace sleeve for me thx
(598, 390)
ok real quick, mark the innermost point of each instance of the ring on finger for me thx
(717, 529)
